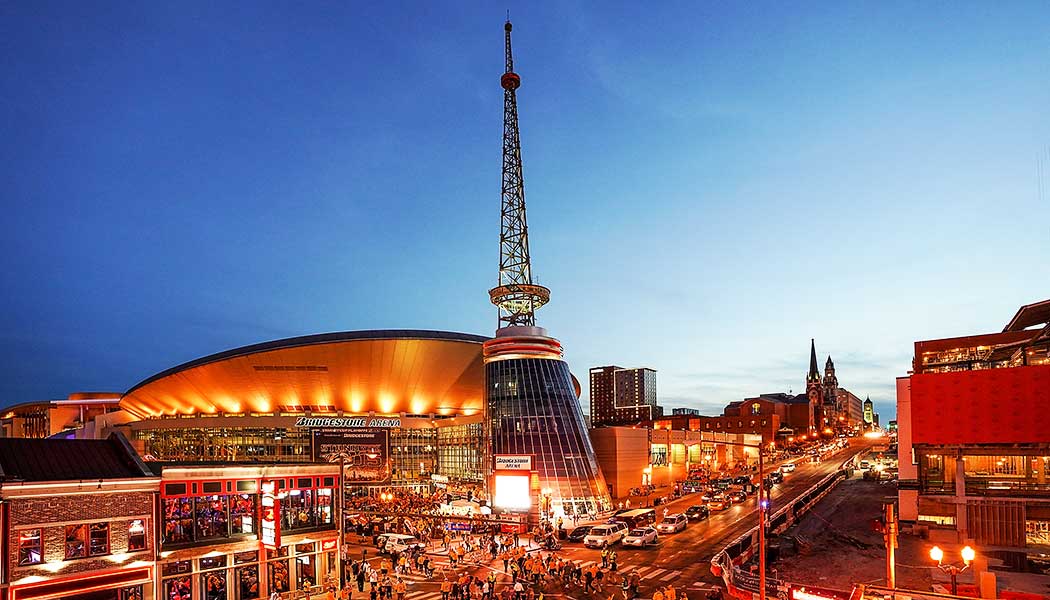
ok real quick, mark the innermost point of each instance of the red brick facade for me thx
(52, 514)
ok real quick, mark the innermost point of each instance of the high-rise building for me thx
(534, 420)
(869, 412)
(623, 396)
(973, 442)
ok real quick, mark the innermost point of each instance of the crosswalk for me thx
(646, 573)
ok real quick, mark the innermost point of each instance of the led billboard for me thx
(365, 452)
(512, 492)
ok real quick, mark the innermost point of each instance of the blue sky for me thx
(708, 186)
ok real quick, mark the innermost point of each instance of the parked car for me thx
(737, 497)
(603, 536)
(578, 533)
(641, 537)
(396, 543)
(787, 468)
(673, 524)
(697, 512)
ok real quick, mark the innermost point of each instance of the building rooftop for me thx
(69, 460)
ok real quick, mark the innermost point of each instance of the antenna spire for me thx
(516, 297)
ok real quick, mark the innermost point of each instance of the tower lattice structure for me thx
(516, 296)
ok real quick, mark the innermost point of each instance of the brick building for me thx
(623, 396)
(78, 520)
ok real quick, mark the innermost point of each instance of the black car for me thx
(697, 513)
(577, 534)
(737, 497)
(742, 480)
(776, 477)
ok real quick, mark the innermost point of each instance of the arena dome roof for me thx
(384, 371)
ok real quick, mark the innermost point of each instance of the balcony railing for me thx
(1006, 487)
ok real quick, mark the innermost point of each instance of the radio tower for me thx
(526, 377)
(516, 297)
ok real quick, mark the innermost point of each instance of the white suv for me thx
(603, 536)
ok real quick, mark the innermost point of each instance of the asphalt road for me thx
(682, 559)
(690, 551)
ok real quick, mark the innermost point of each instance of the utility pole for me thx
(761, 526)
(889, 534)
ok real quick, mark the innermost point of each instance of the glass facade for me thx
(985, 475)
(455, 451)
(532, 409)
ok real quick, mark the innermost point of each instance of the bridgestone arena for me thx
(401, 409)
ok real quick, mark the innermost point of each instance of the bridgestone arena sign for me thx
(513, 462)
(348, 422)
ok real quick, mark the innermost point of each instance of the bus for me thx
(639, 517)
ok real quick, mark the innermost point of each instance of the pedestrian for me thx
(519, 591)
(612, 560)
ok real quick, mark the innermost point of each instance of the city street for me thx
(681, 559)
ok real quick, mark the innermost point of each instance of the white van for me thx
(603, 536)
(391, 543)
(787, 468)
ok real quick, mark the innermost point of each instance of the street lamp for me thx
(952, 570)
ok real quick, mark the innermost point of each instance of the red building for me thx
(78, 520)
(970, 414)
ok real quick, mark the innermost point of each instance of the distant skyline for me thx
(708, 186)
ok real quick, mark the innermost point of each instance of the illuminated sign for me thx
(270, 517)
(348, 422)
(513, 462)
(364, 453)
(512, 492)
(328, 545)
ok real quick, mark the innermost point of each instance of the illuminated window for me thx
(29, 547)
(76, 541)
(99, 539)
(937, 519)
(136, 535)
(756, 409)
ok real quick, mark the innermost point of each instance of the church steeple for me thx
(814, 374)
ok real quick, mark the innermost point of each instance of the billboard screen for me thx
(512, 492)
(991, 406)
(365, 452)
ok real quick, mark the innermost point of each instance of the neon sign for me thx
(270, 517)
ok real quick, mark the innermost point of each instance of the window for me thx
(99, 539)
(130, 593)
(212, 520)
(29, 547)
(937, 519)
(136, 535)
(178, 520)
(756, 409)
(76, 540)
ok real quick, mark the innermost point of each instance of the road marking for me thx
(642, 570)
(671, 575)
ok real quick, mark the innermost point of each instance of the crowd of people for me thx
(528, 572)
